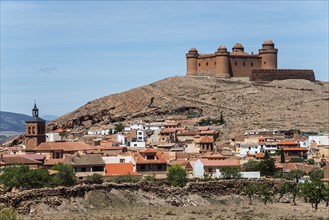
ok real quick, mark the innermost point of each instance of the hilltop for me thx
(245, 105)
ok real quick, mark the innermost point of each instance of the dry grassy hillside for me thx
(245, 105)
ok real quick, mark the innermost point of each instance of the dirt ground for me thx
(123, 205)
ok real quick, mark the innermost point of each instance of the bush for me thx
(230, 172)
(297, 160)
(177, 176)
(126, 179)
(150, 178)
(9, 214)
(95, 179)
(65, 175)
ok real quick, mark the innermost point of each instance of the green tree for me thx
(265, 193)
(325, 194)
(65, 175)
(283, 160)
(230, 172)
(316, 174)
(251, 165)
(293, 175)
(312, 191)
(177, 176)
(24, 178)
(289, 187)
(119, 127)
(95, 179)
(267, 166)
(249, 190)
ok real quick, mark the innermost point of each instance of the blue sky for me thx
(66, 53)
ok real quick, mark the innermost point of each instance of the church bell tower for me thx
(35, 130)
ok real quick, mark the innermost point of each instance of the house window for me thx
(83, 169)
(215, 63)
(251, 64)
(244, 63)
(264, 62)
(159, 167)
(199, 64)
(98, 168)
(142, 167)
(207, 64)
(236, 63)
(122, 160)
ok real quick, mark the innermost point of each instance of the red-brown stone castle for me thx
(258, 67)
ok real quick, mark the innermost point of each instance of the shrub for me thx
(297, 160)
(126, 179)
(95, 179)
(9, 214)
(150, 178)
(207, 177)
(230, 172)
(177, 176)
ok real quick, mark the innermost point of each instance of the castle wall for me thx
(206, 65)
(241, 66)
(281, 74)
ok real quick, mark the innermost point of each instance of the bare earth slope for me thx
(245, 105)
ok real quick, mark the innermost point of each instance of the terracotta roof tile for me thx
(207, 139)
(18, 159)
(294, 149)
(287, 143)
(87, 159)
(220, 163)
(119, 169)
(64, 146)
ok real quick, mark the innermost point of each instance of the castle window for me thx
(251, 64)
(236, 63)
(244, 63)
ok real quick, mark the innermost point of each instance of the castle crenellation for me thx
(238, 63)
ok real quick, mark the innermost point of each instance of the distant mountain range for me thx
(15, 122)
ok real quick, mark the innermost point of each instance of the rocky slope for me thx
(245, 105)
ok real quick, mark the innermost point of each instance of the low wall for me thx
(22, 201)
(281, 74)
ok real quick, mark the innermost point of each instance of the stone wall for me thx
(24, 201)
(281, 74)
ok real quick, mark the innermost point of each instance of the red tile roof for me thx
(203, 128)
(207, 139)
(220, 163)
(64, 146)
(58, 130)
(170, 130)
(119, 169)
(208, 132)
(18, 159)
(260, 155)
(141, 160)
(287, 143)
(294, 149)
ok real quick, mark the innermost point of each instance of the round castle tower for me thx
(269, 55)
(223, 63)
(192, 62)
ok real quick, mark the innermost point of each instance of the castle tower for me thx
(238, 48)
(35, 130)
(269, 55)
(222, 63)
(192, 62)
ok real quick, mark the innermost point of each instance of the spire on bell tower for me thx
(35, 110)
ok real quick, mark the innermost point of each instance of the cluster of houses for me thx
(150, 148)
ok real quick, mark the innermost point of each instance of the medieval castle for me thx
(258, 67)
